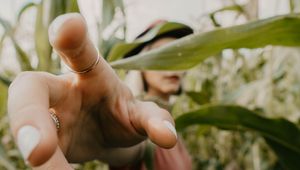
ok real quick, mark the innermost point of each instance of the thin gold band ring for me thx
(89, 68)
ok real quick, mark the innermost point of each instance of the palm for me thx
(94, 120)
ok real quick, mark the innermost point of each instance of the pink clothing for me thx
(176, 158)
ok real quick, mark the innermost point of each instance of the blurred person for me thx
(83, 115)
(158, 86)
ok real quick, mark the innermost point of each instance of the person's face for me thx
(162, 83)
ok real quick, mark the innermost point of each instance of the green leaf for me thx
(120, 49)
(201, 97)
(236, 8)
(5, 80)
(292, 5)
(108, 12)
(24, 8)
(107, 45)
(3, 97)
(6, 25)
(42, 45)
(4, 161)
(284, 135)
(7, 31)
(1, 43)
(22, 57)
(72, 6)
(287, 157)
(191, 50)
(120, 4)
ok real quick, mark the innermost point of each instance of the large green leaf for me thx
(120, 49)
(282, 135)
(191, 50)
(289, 158)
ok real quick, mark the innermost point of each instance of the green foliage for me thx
(109, 9)
(240, 118)
(217, 80)
(120, 49)
(191, 50)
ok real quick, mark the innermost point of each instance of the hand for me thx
(99, 117)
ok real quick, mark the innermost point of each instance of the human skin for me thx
(162, 84)
(100, 119)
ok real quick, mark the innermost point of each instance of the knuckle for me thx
(21, 77)
(24, 77)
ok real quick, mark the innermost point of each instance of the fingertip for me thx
(162, 133)
(67, 31)
(35, 138)
(36, 145)
(44, 150)
(171, 127)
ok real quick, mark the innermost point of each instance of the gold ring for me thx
(89, 68)
(55, 119)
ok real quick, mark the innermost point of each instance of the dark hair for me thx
(176, 33)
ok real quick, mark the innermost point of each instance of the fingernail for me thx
(170, 127)
(28, 138)
(57, 23)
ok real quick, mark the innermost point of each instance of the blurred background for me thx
(266, 79)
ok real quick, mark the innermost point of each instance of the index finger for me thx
(68, 34)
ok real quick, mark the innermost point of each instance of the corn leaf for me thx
(287, 157)
(6, 25)
(282, 135)
(108, 12)
(5, 80)
(191, 50)
(42, 46)
(1, 43)
(236, 8)
(22, 56)
(202, 97)
(24, 8)
(3, 97)
(72, 6)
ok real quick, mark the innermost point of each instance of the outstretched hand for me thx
(99, 117)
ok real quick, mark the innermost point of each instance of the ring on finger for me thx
(55, 120)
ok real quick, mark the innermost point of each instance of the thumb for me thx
(155, 122)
